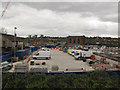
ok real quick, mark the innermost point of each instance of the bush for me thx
(97, 79)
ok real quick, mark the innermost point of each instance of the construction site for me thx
(65, 54)
(62, 61)
(40, 39)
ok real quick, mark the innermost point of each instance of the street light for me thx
(15, 41)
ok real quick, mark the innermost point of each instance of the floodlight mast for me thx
(15, 41)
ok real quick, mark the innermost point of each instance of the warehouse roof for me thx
(11, 37)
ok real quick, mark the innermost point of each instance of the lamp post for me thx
(15, 41)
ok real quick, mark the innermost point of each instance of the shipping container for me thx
(6, 56)
(28, 51)
(20, 54)
(50, 46)
(32, 48)
(37, 48)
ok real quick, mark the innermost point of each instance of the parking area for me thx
(64, 61)
(61, 61)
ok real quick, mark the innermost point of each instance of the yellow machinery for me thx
(68, 51)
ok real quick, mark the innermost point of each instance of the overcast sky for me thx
(62, 18)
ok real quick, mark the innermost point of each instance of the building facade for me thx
(8, 42)
(75, 40)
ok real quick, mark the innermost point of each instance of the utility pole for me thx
(28, 41)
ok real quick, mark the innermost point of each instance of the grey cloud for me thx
(62, 19)
(100, 9)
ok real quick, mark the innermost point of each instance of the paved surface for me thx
(22, 61)
(64, 61)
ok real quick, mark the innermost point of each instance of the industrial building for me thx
(10, 41)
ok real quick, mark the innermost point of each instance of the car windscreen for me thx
(76, 53)
(37, 54)
(72, 52)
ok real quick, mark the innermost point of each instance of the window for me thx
(70, 41)
(16, 42)
(3, 43)
(74, 41)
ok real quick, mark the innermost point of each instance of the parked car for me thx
(42, 55)
(6, 66)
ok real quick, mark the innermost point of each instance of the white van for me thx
(42, 55)
(83, 54)
(78, 54)
(72, 51)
